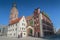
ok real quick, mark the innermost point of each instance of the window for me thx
(22, 28)
(16, 29)
(23, 24)
(16, 24)
(24, 33)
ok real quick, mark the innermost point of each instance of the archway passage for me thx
(30, 32)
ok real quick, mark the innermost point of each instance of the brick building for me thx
(42, 24)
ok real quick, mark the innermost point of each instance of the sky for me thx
(26, 8)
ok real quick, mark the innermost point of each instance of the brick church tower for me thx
(14, 13)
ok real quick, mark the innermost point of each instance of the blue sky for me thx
(26, 8)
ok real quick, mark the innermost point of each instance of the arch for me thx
(30, 31)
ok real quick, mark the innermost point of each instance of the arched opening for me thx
(30, 32)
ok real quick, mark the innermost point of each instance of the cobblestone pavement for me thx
(26, 38)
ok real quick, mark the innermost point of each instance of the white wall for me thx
(12, 32)
(22, 26)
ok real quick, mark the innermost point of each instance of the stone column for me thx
(41, 28)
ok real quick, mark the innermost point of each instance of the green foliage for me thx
(31, 31)
(31, 22)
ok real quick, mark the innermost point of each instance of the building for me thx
(42, 24)
(48, 28)
(17, 26)
(58, 32)
(3, 30)
(37, 25)
(29, 20)
(37, 20)
(30, 26)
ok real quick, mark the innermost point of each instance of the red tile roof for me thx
(15, 21)
(29, 17)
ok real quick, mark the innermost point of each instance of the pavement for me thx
(25, 38)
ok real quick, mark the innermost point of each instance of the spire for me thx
(14, 4)
(14, 12)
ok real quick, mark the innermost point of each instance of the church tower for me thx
(14, 13)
